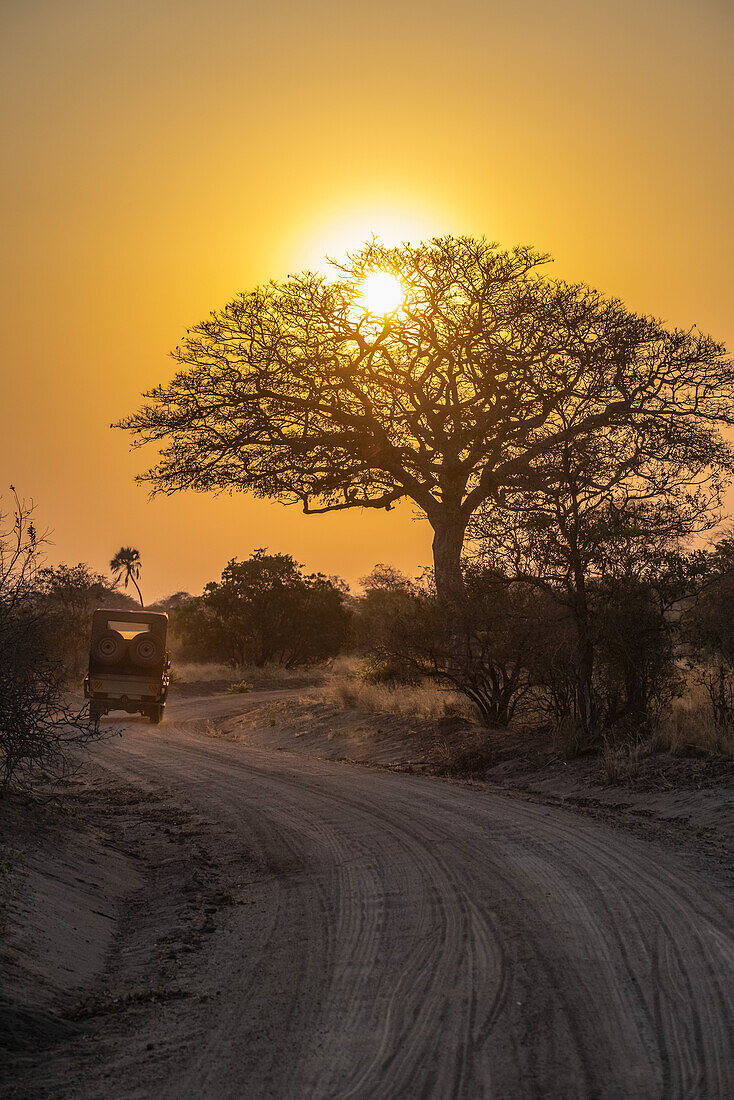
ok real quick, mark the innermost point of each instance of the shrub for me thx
(265, 610)
(240, 687)
(691, 726)
(481, 647)
(68, 596)
(463, 757)
(387, 668)
(37, 726)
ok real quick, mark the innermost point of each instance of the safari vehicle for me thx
(128, 663)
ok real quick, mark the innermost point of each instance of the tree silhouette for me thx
(38, 726)
(297, 392)
(610, 511)
(265, 609)
(127, 561)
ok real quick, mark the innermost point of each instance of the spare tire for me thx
(145, 650)
(109, 649)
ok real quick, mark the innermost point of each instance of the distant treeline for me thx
(602, 644)
(592, 620)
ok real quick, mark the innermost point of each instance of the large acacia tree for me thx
(296, 391)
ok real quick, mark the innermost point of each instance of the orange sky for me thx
(159, 156)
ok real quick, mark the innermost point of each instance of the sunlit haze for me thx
(162, 156)
(381, 293)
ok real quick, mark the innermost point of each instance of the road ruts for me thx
(412, 938)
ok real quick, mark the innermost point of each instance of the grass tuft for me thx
(240, 687)
(469, 756)
(244, 678)
(689, 727)
(345, 687)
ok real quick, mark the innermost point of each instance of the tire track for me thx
(423, 940)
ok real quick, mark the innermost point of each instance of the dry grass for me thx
(194, 672)
(622, 761)
(240, 687)
(569, 740)
(245, 677)
(344, 687)
(690, 727)
(469, 755)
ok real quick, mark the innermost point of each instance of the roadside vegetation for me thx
(570, 457)
(264, 611)
(643, 664)
(649, 669)
(350, 683)
(39, 727)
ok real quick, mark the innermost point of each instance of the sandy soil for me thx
(254, 922)
(690, 798)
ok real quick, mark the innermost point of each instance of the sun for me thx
(381, 293)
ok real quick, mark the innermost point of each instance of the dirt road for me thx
(396, 936)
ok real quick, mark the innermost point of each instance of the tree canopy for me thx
(127, 561)
(265, 609)
(600, 536)
(297, 391)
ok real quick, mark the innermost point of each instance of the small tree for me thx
(266, 610)
(388, 597)
(196, 635)
(126, 562)
(172, 603)
(594, 534)
(68, 595)
(484, 650)
(37, 725)
(708, 627)
(300, 392)
(488, 649)
(635, 673)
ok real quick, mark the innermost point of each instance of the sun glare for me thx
(381, 293)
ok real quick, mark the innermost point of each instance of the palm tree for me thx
(127, 560)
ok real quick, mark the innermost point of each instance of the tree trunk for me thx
(586, 707)
(585, 650)
(585, 700)
(140, 594)
(448, 542)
